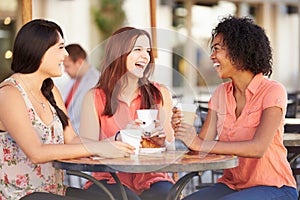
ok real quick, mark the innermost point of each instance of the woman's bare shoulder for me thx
(8, 91)
(11, 101)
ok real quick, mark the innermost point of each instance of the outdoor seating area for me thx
(208, 177)
(292, 128)
(160, 103)
(293, 105)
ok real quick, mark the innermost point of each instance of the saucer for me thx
(152, 150)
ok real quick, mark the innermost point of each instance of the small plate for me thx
(96, 157)
(152, 150)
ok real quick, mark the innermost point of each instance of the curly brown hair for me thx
(247, 44)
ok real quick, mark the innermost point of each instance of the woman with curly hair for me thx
(245, 118)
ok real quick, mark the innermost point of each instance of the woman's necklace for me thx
(40, 102)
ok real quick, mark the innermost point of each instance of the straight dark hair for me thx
(31, 43)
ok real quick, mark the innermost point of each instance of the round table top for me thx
(168, 161)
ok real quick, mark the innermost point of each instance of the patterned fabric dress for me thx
(18, 175)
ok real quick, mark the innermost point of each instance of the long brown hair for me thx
(113, 76)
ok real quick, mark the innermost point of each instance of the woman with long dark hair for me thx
(35, 129)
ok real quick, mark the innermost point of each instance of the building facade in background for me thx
(183, 30)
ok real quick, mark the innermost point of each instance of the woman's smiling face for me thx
(53, 58)
(138, 58)
(221, 60)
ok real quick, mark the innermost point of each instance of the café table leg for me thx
(292, 158)
(293, 155)
(123, 193)
(95, 181)
(180, 184)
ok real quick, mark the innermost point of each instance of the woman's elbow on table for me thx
(39, 154)
(248, 149)
(256, 151)
(37, 158)
(257, 154)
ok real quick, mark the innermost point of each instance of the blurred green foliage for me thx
(109, 17)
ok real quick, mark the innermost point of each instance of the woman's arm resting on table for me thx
(270, 121)
(14, 116)
(19, 126)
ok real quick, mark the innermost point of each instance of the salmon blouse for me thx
(137, 182)
(272, 169)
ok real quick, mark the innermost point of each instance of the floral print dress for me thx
(18, 175)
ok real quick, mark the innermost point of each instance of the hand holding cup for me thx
(132, 137)
(188, 112)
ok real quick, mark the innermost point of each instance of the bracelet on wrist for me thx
(116, 136)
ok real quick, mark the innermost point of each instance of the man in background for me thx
(83, 77)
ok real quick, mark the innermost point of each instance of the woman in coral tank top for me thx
(123, 88)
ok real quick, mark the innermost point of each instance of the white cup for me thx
(189, 112)
(132, 137)
(148, 116)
